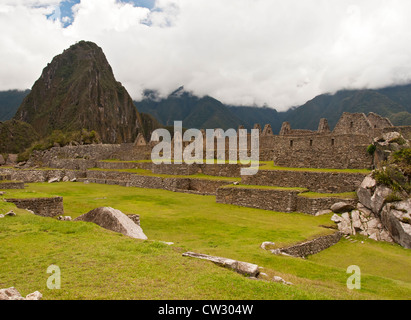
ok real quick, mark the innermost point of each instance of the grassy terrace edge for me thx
(265, 166)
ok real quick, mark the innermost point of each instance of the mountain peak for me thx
(77, 90)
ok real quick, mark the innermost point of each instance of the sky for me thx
(275, 53)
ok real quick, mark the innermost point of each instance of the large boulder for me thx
(114, 220)
(396, 217)
(379, 197)
(365, 191)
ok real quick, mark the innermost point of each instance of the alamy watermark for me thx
(354, 281)
(54, 281)
(240, 145)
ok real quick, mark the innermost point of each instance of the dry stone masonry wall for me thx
(45, 207)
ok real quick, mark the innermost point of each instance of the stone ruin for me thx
(345, 147)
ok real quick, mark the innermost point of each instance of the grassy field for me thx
(99, 264)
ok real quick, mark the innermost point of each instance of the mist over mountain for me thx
(195, 112)
(393, 102)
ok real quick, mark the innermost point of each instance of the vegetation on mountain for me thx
(16, 136)
(195, 112)
(76, 91)
(61, 139)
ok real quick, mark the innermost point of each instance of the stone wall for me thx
(314, 205)
(311, 247)
(72, 164)
(317, 151)
(38, 175)
(5, 185)
(279, 200)
(323, 182)
(45, 207)
(202, 186)
(268, 199)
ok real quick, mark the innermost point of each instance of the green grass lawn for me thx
(99, 264)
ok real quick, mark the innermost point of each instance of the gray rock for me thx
(392, 217)
(34, 296)
(1, 216)
(114, 220)
(65, 179)
(365, 191)
(356, 221)
(13, 294)
(281, 280)
(390, 137)
(10, 294)
(341, 207)
(378, 198)
(336, 218)
(53, 180)
(323, 212)
(266, 245)
(11, 213)
(64, 218)
(244, 268)
(135, 218)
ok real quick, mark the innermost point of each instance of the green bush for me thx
(62, 139)
(371, 149)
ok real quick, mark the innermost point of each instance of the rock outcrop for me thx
(114, 220)
(380, 215)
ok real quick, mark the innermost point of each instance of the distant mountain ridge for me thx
(195, 112)
(391, 102)
(206, 112)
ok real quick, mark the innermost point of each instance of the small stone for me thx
(10, 214)
(10, 294)
(336, 218)
(323, 212)
(1, 216)
(267, 244)
(53, 180)
(281, 280)
(65, 179)
(34, 296)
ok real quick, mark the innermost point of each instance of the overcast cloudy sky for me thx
(279, 53)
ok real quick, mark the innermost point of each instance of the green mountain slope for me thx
(333, 106)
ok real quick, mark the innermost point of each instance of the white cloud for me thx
(278, 52)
